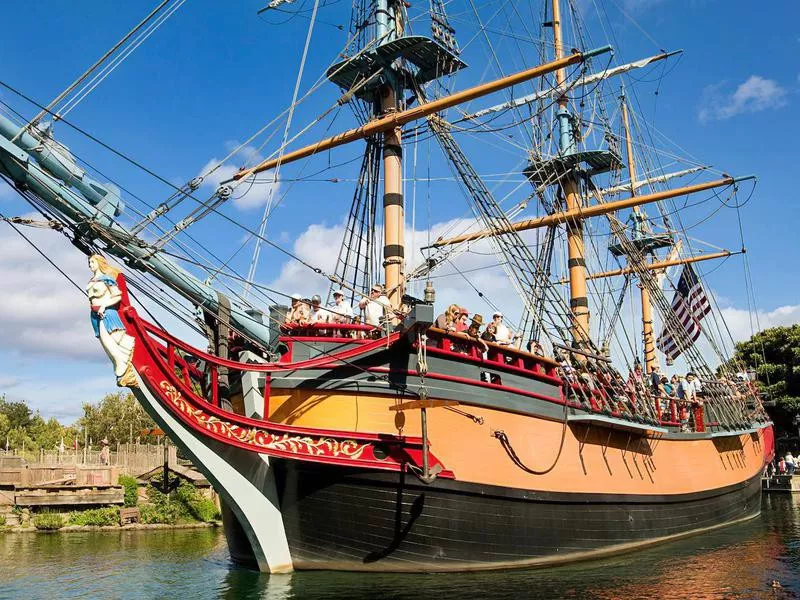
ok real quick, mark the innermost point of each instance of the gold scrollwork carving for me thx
(261, 438)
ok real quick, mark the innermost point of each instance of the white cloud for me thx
(252, 192)
(738, 320)
(754, 95)
(41, 312)
(8, 381)
(319, 246)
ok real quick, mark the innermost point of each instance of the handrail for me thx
(516, 352)
(312, 363)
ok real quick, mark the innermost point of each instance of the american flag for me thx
(689, 306)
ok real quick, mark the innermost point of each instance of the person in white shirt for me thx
(341, 311)
(317, 314)
(375, 306)
(502, 334)
(791, 463)
(691, 388)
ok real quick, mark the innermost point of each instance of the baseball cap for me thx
(338, 293)
(295, 296)
(497, 313)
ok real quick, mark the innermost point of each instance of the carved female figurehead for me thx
(104, 298)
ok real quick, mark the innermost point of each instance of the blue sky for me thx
(215, 72)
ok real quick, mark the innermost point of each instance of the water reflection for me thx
(736, 562)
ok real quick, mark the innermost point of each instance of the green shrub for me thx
(198, 507)
(2, 520)
(96, 516)
(48, 521)
(184, 503)
(131, 490)
(166, 513)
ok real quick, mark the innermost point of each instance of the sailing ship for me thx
(402, 445)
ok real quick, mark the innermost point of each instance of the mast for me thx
(650, 358)
(390, 23)
(578, 301)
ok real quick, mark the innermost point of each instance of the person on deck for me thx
(375, 306)
(692, 391)
(340, 311)
(298, 313)
(317, 314)
(474, 331)
(655, 381)
(447, 320)
(502, 334)
(461, 320)
(535, 348)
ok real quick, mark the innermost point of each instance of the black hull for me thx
(365, 521)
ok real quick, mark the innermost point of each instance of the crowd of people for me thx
(373, 311)
(678, 398)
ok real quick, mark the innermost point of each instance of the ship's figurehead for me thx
(104, 299)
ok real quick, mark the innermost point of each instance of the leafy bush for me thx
(48, 521)
(166, 513)
(2, 520)
(200, 508)
(131, 490)
(97, 517)
(184, 503)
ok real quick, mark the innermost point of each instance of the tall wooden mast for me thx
(390, 23)
(578, 301)
(650, 358)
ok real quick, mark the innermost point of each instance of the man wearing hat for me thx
(474, 330)
(340, 310)
(298, 313)
(317, 314)
(375, 306)
(105, 452)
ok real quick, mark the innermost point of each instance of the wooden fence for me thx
(131, 459)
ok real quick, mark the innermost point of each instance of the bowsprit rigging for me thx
(312, 419)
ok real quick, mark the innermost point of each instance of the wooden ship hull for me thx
(330, 472)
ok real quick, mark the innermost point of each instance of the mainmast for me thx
(578, 301)
(389, 24)
(650, 358)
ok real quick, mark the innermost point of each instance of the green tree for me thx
(19, 414)
(117, 417)
(5, 426)
(775, 355)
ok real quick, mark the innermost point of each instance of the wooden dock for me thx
(68, 495)
(781, 484)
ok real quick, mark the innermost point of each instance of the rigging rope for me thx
(90, 70)
(267, 208)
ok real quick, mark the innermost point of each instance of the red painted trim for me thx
(150, 362)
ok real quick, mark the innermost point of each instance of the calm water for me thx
(736, 562)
